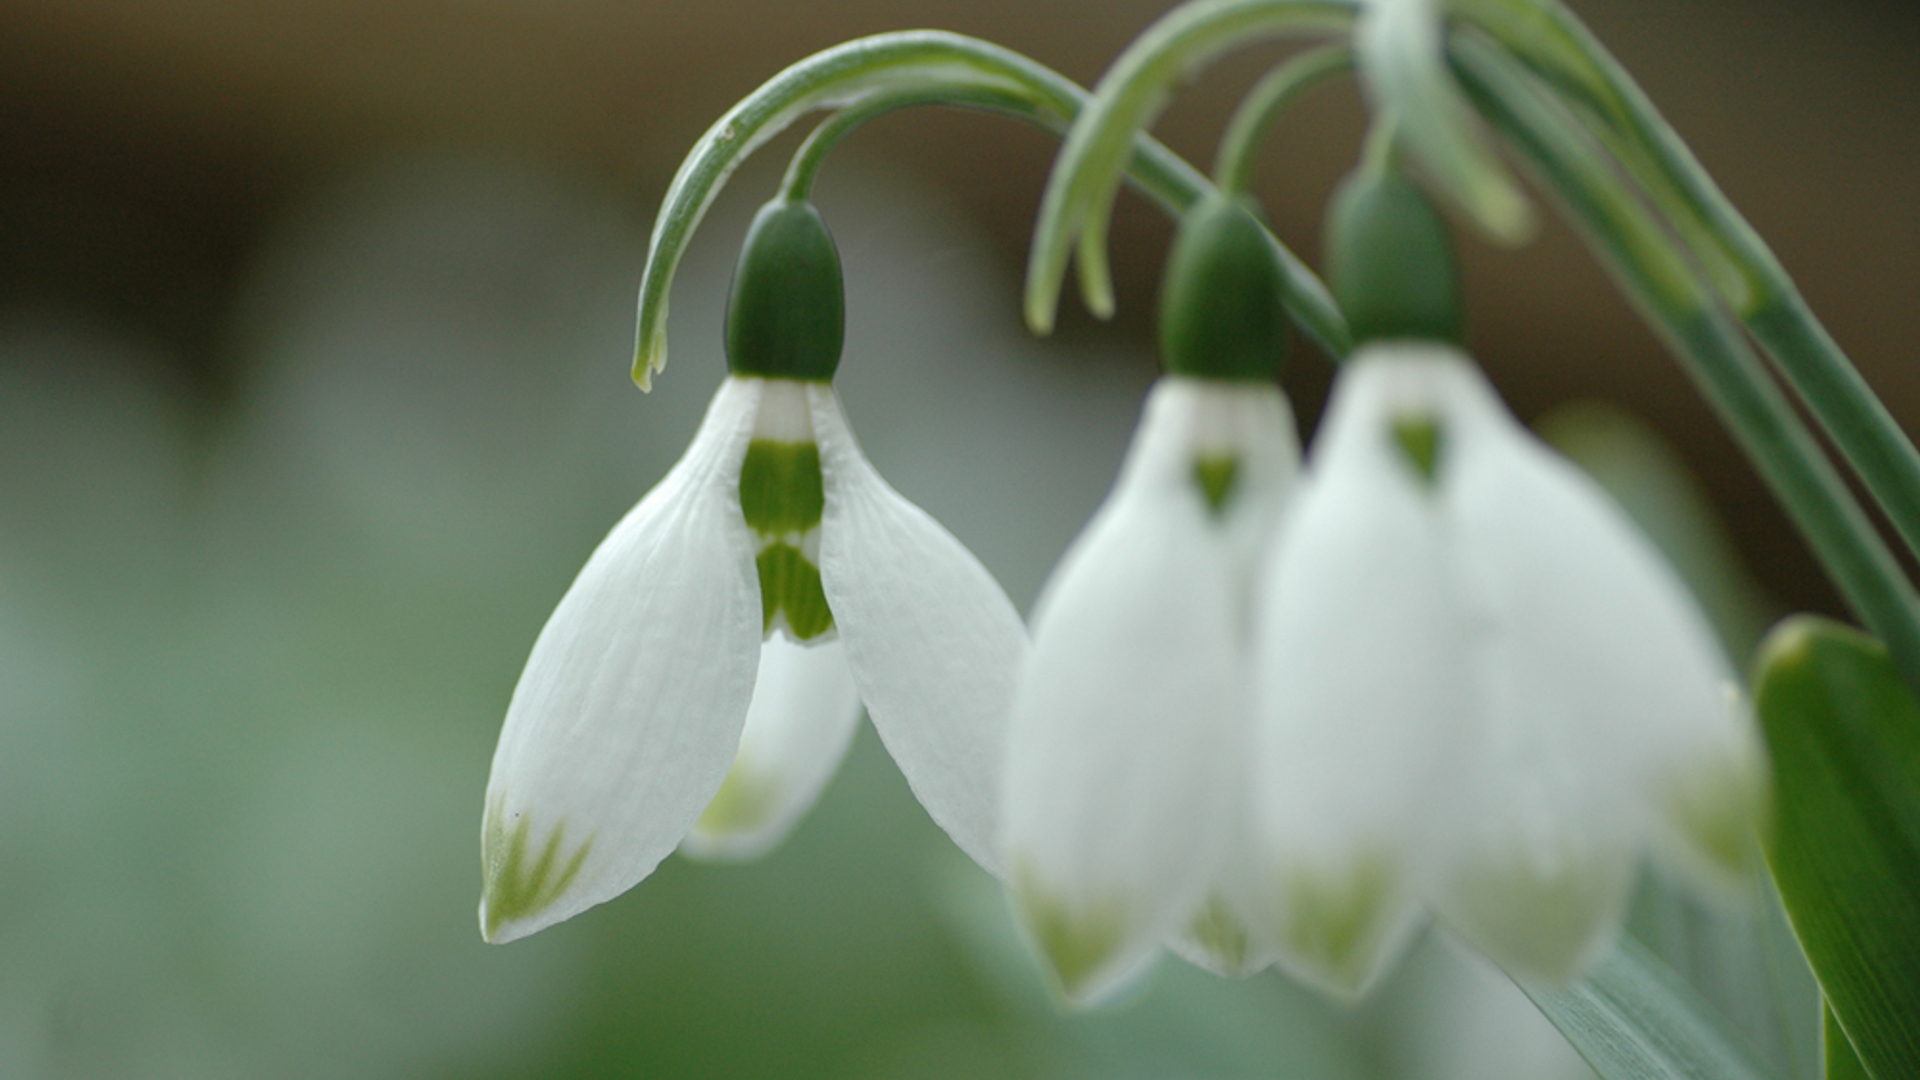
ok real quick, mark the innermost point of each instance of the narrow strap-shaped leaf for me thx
(1550, 40)
(1841, 1062)
(1845, 735)
(1633, 1019)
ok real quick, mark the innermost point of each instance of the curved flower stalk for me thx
(1124, 788)
(1481, 692)
(771, 582)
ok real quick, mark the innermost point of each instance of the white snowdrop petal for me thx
(1125, 770)
(932, 640)
(803, 716)
(631, 704)
(1360, 685)
(1121, 755)
(1224, 935)
(1598, 678)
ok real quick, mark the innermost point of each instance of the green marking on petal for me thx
(1718, 811)
(790, 589)
(781, 490)
(1077, 940)
(513, 889)
(744, 802)
(1216, 475)
(1537, 920)
(1220, 932)
(1419, 441)
(1336, 920)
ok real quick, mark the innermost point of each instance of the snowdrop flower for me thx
(1481, 691)
(702, 677)
(1124, 794)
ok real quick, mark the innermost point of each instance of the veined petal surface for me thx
(1125, 759)
(630, 708)
(932, 640)
(1361, 686)
(803, 716)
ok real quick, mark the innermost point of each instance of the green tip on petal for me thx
(1078, 941)
(1540, 918)
(515, 889)
(1216, 476)
(1418, 438)
(1337, 921)
(745, 801)
(1224, 938)
(1719, 812)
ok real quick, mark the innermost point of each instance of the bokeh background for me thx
(314, 328)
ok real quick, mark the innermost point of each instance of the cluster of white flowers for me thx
(1278, 719)
(1268, 713)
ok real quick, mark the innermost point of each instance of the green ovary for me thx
(1216, 477)
(790, 589)
(515, 888)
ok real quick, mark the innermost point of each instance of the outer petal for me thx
(933, 641)
(803, 716)
(631, 704)
(1602, 689)
(1124, 763)
(1359, 691)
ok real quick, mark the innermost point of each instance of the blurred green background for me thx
(314, 328)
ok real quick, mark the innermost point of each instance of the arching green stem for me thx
(943, 66)
(1744, 272)
(1271, 96)
(842, 76)
(1678, 301)
(798, 183)
(1401, 49)
(1086, 175)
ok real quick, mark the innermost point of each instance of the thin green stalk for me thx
(1086, 174)
(1665, 284)
(797, 185)
(1275, 94)
(844, 76)
(1745, 273)
(1401, 47)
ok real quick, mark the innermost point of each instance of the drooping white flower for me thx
(1124, 778)
(1481, 691)
(701, 678)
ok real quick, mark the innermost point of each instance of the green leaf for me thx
(1633, 1019)
(1842, 1062)
(1845, 736)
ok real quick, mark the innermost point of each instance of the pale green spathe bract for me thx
(1481, 693)
(665, 703)
(1124, 792)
